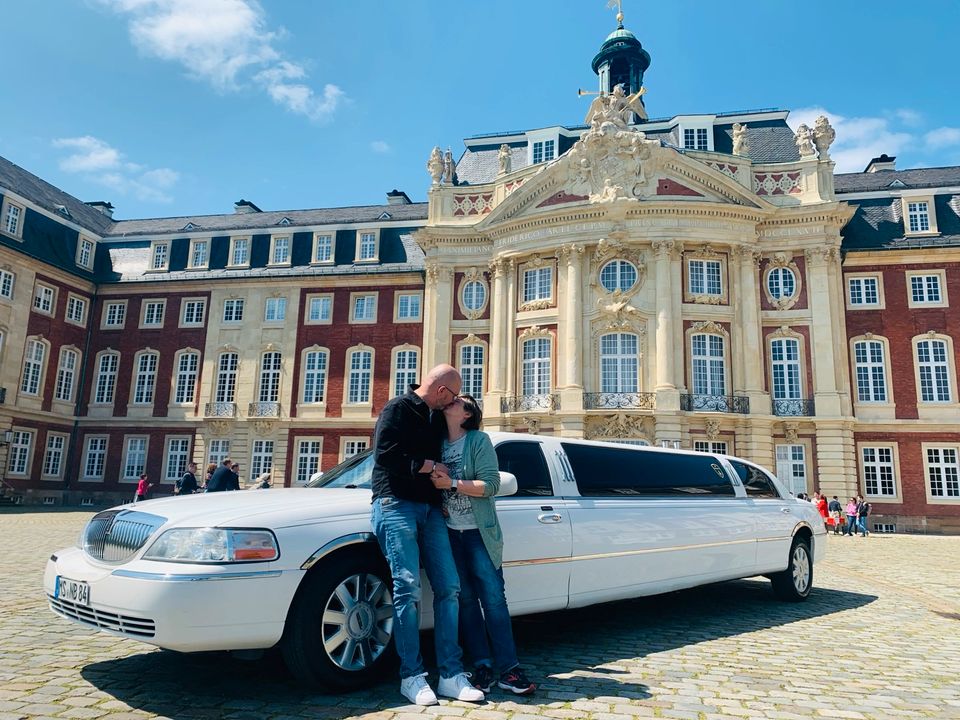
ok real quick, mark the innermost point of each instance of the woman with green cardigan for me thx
(477, 544)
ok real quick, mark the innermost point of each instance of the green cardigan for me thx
(480, 463)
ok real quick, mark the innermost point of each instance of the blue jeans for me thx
(410, 534)
(851, 528)
(862, 525)
(481, 584)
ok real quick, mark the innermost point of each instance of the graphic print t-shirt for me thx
(456, 506)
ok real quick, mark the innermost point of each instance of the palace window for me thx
(536, 367)
(261, 460)
(717, 447)
(7, 280)
(544, 151)
(106, 383)
(618, 275)
(537, 284)
(367, 248)
(934, 371)
(145, 382)
(322, 248)
(159, 256)
(85, 249)
(135, 458)
(364, 308)
(227, 377)
(358, 381)
(12, 218)
(33, 363)
(18, 456)
(308, 460)
(275, 309)
(708, 363)
(320, 309)
(354, 446)
(53, 457)
(474, 295)
(233, 310)
(188, 364)
(280, 250)
(199, 252)
(193, 312)
(218, 450)
(239, 252)
(404, 370)
(315, 376)
(114, 314)
(785, 361)
(94, 457)
(43, 299)
(927, 289)
(705, 277)
(408, 306)
(792, 467)
(270, 366)
(76, 309)
(153, 313)
(619, 363)
(471, 370)
(781, 283)
(879, 479)
(943, 472)
(918, 217)
(178, 454)
(863, 291)
(66, 375)
(870, 370)
(695, 139)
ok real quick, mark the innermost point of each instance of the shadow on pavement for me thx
(574, 654)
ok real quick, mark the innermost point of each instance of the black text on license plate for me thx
(78, 592)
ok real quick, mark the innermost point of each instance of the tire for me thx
(339, 631)
(794, 583)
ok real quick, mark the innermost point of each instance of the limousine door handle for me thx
(548, 518)
(786, 510)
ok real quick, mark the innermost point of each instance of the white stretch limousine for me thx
(584, 522)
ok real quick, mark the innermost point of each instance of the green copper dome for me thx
(622, 43)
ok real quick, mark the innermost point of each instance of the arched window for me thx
(270, 365)
(870, 370)
(472, 358)
(619, 363)
(785, 359)
(34, 359)
(188, 364)
(360, 366)
(145, 378)
(315, 376)
(536, 366)
(66, 374)
(709, 366)
(934, 369)
(106, 383)
(405, 366)
(227, 377)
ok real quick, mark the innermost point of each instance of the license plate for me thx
(72, 590)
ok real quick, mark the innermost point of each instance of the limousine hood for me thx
(273, 508)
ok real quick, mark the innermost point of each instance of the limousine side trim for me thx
(340, 542)
(627, 553)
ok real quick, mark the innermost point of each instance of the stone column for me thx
(431, 303)
(823, 336)
(497, 351)
(571, 393)
(510, 325)
(753, 351)
(665, 320)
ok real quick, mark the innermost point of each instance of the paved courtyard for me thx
(879, 638)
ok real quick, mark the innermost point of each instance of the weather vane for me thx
(619, 5)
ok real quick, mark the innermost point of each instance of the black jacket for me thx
(187, 485)
(407, 433)
(222, 479)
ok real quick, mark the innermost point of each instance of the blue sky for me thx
(181, 107)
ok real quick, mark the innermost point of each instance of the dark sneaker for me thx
(483, 678)
(516, 682)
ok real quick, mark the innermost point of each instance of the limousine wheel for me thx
(339, 630)
(794, 583)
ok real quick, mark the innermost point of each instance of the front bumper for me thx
(178, 606)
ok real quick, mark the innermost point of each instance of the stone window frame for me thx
(620, 330)
(708, 327)
(353, 307)
(155, 247)
(706, 254)
(472, 340)
(782, 261)
(121, 475)
(74, 387)
(9, 278)
(5, 209)
(473, 275)
(295, 460)
(785, 332)
(316, 245)
(274, 242)
(941, 275)
(712, 446)
(894, 448)
(132, 402)
(65, 437)
(82, 242)
(82, 474)
(881, 300)
(953, 403)
(31, 449)
(194, 243)
(143, 313)
(314, 409)
(363, 406)
(887, 372)
(930, 497)
(394, 370)
(358, 256)
(317, 296)
(98, 359)
(916, 198)
(175, 376)
(344, 439)
(535, 332)
(233, 300)
(183, 312)
(281, 303)
(44, 367)
(77, 301)
(231, 265)
(165, 469)
(396, 306)
(38, 287)
(105, 315)
(537, 263)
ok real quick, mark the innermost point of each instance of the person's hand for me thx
(441, 480)
(441, 468)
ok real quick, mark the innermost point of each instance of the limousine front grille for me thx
(115, 536)
(124, 624)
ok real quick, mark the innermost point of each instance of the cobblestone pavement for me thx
(879, 638)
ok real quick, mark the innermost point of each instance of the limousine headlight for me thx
(214, 545)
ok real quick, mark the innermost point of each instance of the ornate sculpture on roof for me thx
(504, 160)
(435, 165)
(449, 167)
(823, 136)
(615, 108)
(608, 163)
(804, 140)
(740, 144)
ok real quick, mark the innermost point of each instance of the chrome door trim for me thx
(340, 542)
(627, 553)
(169, 577)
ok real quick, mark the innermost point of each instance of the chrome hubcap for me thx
(357, 621)
(801, 568)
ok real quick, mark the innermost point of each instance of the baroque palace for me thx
(698, 281)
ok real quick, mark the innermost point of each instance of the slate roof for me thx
(770, 141)
(878, 224)
(268, 221)
(45, 195)
(912, 179)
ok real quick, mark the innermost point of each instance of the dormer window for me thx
(280, 251)
(159, 256)
(544, 151)
(695, 139)
(85, 253)
(12, 218)
(367, 246)
(918, 215)
(199, 251)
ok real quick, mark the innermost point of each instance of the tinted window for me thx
(755, 480)
(605, 472)
(526, 461)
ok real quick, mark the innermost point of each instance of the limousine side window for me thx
(526, 461)
(755, 481)
(609, 472)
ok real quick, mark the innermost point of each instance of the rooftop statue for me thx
(449, 167)
(504, 160)
(615, 108)
(804, 140)
(435, 165)
(740, 144)
(823, 136)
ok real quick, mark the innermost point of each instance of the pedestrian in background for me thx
(851, 512)
(222, 478)
(187, 485)
(143, 488)
(835, 510)
(863, 516)
(235, 480)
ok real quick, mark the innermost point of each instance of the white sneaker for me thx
(417, 690)
(459, 687)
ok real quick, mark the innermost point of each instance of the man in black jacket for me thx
(408, 521)
(187, 485)
(222, 478)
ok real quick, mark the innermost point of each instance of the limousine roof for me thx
(498, 437)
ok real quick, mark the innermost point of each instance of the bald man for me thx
(408, 521)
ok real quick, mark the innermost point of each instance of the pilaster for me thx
(748, 258)
(823, 334)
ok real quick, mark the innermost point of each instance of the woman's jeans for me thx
(481, 585)
(851, 528)
(412, 534)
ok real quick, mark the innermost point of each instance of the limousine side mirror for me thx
(508, 484)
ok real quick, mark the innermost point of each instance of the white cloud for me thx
(859, 139)
(909, 117)
(380, 146)
(103, 164)
(225, 43)
(942, 137)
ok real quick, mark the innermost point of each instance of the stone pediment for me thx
(612, 164)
